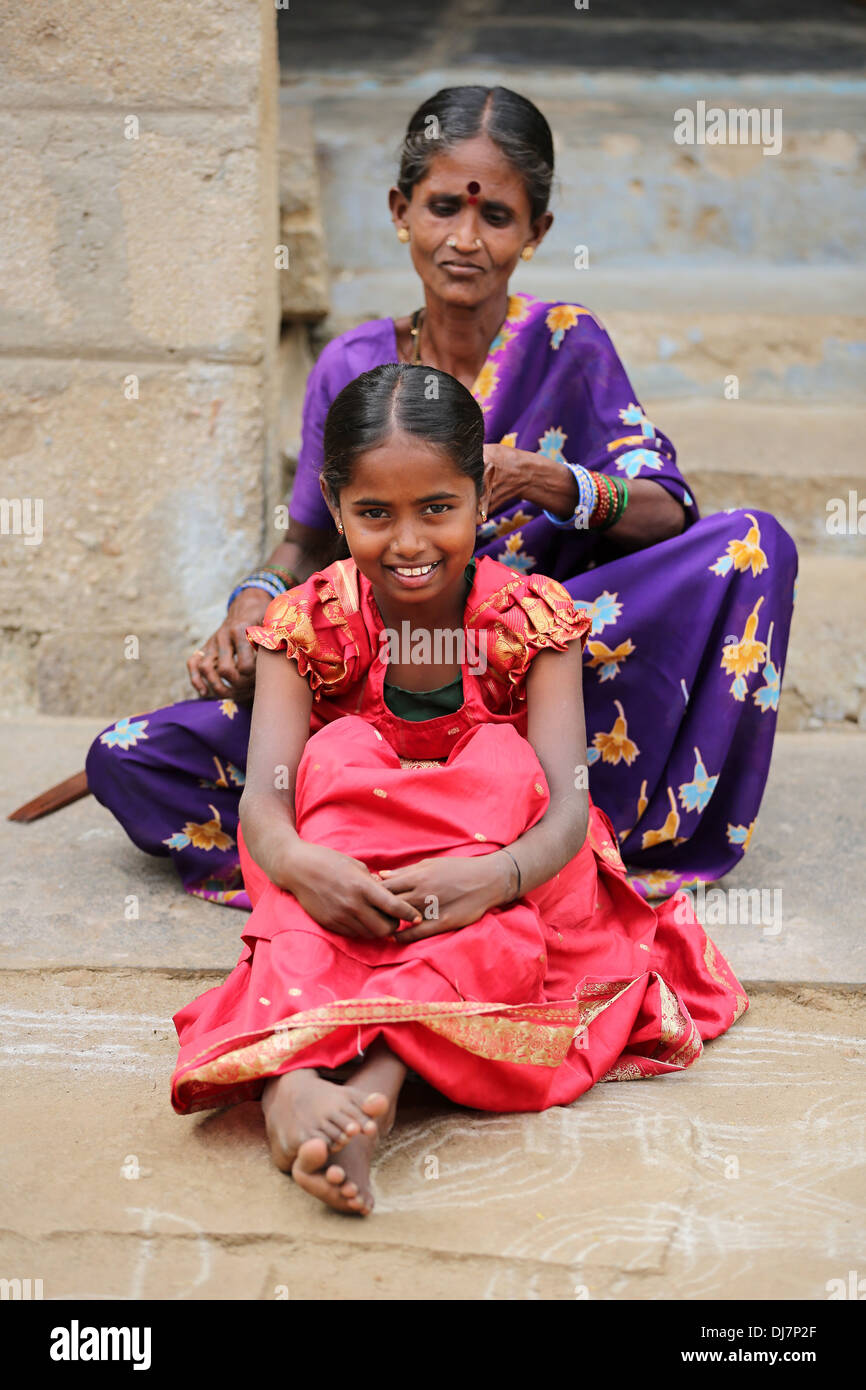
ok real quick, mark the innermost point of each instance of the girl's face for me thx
(489, 228)
(410, 519)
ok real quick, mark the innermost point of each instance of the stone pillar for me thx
(140, 302)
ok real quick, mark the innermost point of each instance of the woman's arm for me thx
(337, 891)
(225, 666)
(653, 514)
(305, 550)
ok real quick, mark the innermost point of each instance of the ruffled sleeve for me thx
(525, 616)
(312, 624)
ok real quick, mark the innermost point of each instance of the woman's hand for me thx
(452, 891)
(505, 475)
(341, 894)
(512, 474)
(225, 667)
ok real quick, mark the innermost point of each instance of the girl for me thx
(432, 886)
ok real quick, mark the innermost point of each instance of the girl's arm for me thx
(557, 731)
(278, 732)
(337, 891)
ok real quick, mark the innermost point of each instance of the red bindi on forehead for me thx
(473, 188)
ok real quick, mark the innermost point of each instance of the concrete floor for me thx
(741, 1178)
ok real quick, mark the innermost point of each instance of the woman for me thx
(690, 617)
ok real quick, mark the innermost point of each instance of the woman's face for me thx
(409, 508)
(487, 233)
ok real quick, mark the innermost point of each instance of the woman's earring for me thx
(340, 528)
(527, 253)
(403, 234)
(483, 516)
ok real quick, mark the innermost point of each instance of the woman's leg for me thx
(682, 671)
(173, 778)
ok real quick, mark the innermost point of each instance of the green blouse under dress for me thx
(418, 705)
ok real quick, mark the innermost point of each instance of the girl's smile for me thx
(416, 576)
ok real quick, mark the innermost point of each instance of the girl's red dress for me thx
(577, 982)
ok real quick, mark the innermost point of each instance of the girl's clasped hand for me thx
(432, 896)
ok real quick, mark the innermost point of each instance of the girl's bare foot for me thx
(301, 1107)
(344, 1185)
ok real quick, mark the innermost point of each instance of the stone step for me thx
(788, 38)
(624, 186)
(824, 682)
(799, 462)
(69, 882)
(786, 333)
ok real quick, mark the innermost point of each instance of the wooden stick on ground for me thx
(62, 795)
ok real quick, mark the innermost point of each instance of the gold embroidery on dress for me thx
(624, 1071)
(712, 964)
(527, 1034)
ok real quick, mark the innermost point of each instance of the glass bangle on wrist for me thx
(519, 875)
(613, 505)
(587, 495)
(271, 583)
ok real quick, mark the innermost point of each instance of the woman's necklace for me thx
(415, 324)
(415, 330)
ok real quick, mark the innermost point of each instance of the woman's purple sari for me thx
(682, 669)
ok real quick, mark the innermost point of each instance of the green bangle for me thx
(291, 579)
(617, 511)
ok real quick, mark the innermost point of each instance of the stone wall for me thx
(139, 339)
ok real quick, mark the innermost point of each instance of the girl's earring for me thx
(483, 516)
(527, 253)
(340, 528)
(403, 234)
